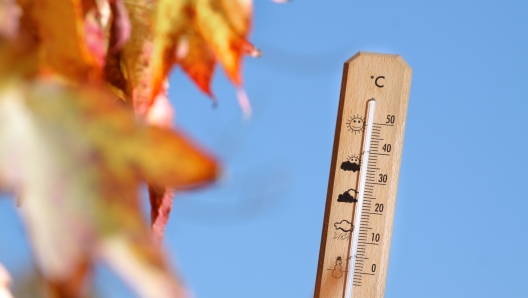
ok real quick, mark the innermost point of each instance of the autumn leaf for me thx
(207, 30)
(18, 43)
(77, 158)
(136, 62)
(74, 151)
(193, 34)
(70, 43)
(197, 60)
(136, 55)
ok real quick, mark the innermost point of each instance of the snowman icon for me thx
(338, 272)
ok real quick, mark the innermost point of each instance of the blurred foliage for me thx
(85, 121)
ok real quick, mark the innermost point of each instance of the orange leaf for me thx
(224, 25)
(19, 52)
(71, 44)
(172, 19)
(197, 60)
(206, 25)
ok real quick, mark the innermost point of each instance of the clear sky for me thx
(462, 207)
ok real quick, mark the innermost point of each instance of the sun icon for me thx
(355, 124)
(353, 159)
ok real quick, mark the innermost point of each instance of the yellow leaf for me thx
(137, 54)
(78, 159)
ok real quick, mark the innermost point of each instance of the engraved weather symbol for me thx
(338, 271)
(351, 164)
(349, 196)
(355, 124)
(344, 226)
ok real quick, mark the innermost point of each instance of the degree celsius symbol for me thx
(378, 84)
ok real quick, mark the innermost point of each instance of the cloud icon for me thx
(344, 226)
(349, 166)
(346, 197)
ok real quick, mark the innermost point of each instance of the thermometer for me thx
(357, 228)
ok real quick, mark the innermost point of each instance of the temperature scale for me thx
(355, 243)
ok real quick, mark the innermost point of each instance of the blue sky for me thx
(460, 222)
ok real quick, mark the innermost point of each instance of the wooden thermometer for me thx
(355, 244)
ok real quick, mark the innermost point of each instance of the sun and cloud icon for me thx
(351, 164)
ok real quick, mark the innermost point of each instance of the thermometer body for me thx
(355, 242)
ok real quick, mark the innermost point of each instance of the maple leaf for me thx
(197, 60)
(192, 33)
(77, 159)
(76, 156)
(136, 62)
(70, 39)
(208, 30)
(136, 55)
(18, 44)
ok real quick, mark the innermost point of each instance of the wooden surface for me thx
(386, 78)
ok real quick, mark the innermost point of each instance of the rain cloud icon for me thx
(344, 226)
